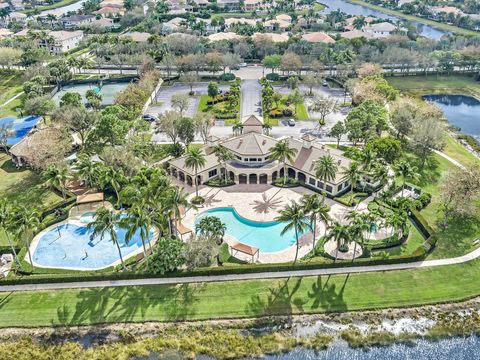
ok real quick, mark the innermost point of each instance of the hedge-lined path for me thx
(238, 277)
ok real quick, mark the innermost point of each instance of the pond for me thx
(461, 111)
(60, 11)
(354, 9)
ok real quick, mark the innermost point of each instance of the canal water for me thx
(354, 9)
(60, 11)
(461, 111)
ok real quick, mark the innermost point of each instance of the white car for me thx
(291, 122)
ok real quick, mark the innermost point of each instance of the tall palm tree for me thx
(176, 198)
(326, 168)
(87, 170)
(56, 178)
(353, 174)
(138, 219)
(406, 171)
(380, 174)
(237, 128)
(282, 152)
(223, 155)
(106, 221)
(111, 177)
(27, 221)
(340, 233)
(294, 218)
(195, 159)
(358, 225)
(315, 208)
(5, 225)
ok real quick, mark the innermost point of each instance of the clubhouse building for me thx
(252, 163)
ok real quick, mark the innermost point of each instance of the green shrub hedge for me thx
(227, 77)
(220, 182)
(272, 77)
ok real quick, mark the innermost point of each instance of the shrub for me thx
(275, 113)
(201, 251)
(287, 112)
(219, 181)
(273, 76)
(423, 200)
(227, 77)
(289, 182)
(197, 200)
(167, 257)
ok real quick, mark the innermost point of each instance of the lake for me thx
(461, 111)
(60, 11)
(446, 349)
(354, 9)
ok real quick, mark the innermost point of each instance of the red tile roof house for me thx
(318, 37)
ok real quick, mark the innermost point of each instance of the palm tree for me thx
(104, 222)
(294, 218)
(266, 127)
(326, 168)
(195, 159)
(138, 219)
(211, 227)
(176, 198)
(358, 224)
(316, 209)
(27, 221)
(237, 128)
(406, 171)
(380, 174)
(353, 174)
(5, 225)
(87, 170)
(282, 152)
(111, 177)
(341, 234)
(223, 155)
(56, 178)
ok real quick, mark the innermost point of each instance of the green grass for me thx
(458, 152)
(49, 7)
(241, 299)
(23, 187)
(204, 107)
(435, 24)
(301, 112)
(11, 84)
(422, 85)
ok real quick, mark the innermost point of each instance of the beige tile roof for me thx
(252, 120)
(306, 157)
(250, 144)
(318, 37)
(273, 37)
(211, 161)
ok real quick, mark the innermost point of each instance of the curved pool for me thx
(68, 246)
(265, 236)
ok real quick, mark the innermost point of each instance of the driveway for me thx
(251, 102)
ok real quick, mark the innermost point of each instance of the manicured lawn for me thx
(216, 108)
(10, 84)
(432, 23)
(458, 152)
(421, 85)
(301, 112)
(23, 187)
(242, 298)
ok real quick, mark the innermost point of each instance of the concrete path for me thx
(237, 277)
(11, 99)
(251, 102)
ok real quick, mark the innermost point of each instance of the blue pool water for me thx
(262, 235)
(64, 247)
(20, 127)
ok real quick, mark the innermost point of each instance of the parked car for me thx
(242, 64)
(291, 122)
(325, 84)
(149, 118)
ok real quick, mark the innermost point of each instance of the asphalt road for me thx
(251, 102)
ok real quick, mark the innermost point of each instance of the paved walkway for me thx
(236, 277)
(251, 102)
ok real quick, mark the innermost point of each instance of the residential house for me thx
(234, 21)
(379, 30)
(273, 37)
(136, 36)
(17, 17)
(17, 5)
(110, 11)
(353, 34)
(437, 10)
(69, 22)
(5, 33)
(254, 5)
(201, 3)
(104, 23)
(173, 25)
(276, 25)
(229, 5)
(223, 36)
(59, 42)
(318, 37)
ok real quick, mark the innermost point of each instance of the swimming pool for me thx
(68, 246)
(265, 236)
(20, 127)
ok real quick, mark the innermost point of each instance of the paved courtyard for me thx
(251, 102)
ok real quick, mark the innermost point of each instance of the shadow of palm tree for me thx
(326, 297)
(125, 304)
(279, 300)
(266, 205)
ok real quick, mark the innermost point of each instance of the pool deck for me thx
(258, 203)
(75, 219)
